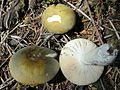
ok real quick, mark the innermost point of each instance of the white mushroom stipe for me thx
(54, 18)
(104, 56)
(82, 62)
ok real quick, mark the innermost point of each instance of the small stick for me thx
(108, 36)
(9, 49)
(8, 32)
(57, 41)
(1, 79)
(67, 36)
(4, 61)
(109, 70)
(78, 10)
(1, 18)
(39, 38)
(3, 38)
(19, 24)
(46, 39)
(118, 70)
(114, 29)
(116, 80)
(110, 28)
(79, 88)
(65, 39)
(102, 85)
(7, 83)
(93, 22)
(66, 82)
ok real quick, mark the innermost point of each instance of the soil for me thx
(21, 26)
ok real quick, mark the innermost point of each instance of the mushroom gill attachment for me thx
(33, 65)
(82, 62)
(58, 19)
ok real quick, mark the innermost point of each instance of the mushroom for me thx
(82, 62)
(33, 65)
(58, 19)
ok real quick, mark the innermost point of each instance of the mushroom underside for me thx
(74, 59)
(79, 73)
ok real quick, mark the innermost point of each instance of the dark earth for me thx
(20, 26)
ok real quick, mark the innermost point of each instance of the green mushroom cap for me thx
(33, 65)
(59, 18)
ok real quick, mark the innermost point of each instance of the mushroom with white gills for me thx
(82, 62)
(33, 65)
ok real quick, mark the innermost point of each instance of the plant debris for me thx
(20, 26)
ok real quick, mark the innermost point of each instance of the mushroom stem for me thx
(102, 55)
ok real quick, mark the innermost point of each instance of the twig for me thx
(109, 70)
(110, 28)
(8, 32)
(1, 79)
(116, 80)
(118, 70)
(46, 39)
(68, 37)
(78, 10)
(4, 36)
(118, 36)
(79, 87)
(108, 36)
(93, 22)
(66, 82)
(9, 49)
(39, 38)
(65, 39)
(19, 24)
(1, 18)
(57, 41)
(4, 61)
(102, 85)
(7, 83)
